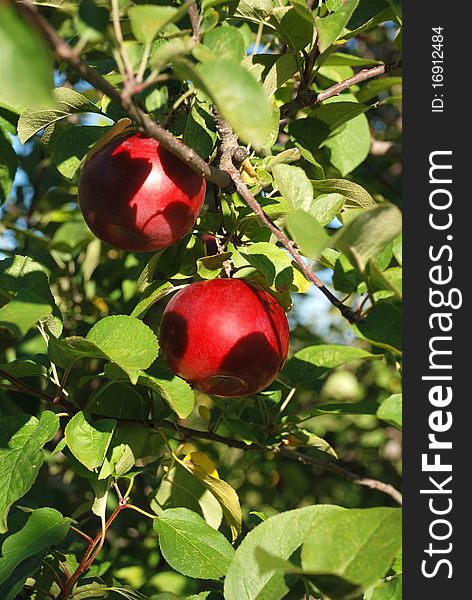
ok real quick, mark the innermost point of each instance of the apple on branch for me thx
(227, 337)
(137, 196)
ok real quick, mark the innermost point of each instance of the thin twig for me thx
(333, 467)
(59, 581)
(141, 511)
(222, 177)
(82, 534)
(144, 121)
(329, 464)
(24, 387)
(228, 142)
(307, 97)
(87, 559)
(119, 38)
(194, 16)
(65, 377)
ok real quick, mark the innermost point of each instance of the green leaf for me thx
(209, 267)
(23, 312)
(374, 87)
(390, 589)
(179, 488)
(351, 60)
(152, 294)
(272, 262)
(124, 340)
(176, 262)
(274, 207)
(390, 280)
(303, 438)
(100, 487)
(326, 207)
(368, 234)
(355, 195)
(168, 51)
(31, 367)
(22, 273)
(350, 146)
(239, 98)
(294, 24)
(120, 400)
(21, 441)
(397, 248)
(226, 43)
(341, 118)
(382, 327)
(90, 590)
(254, 10)
(294, 185)
(191, 546)
(330, 27)
(89, 440)
(366, 407)
(272, 136)
(280, 536)
(352, 548)
(331, 115)
(8, 166)
(67, 102)
(346, 278)
(391, 410)
(222, 491)
(72, 145)
(71, 236)
(368, 14)
(200, 132)
(311, 362)
(272, 70)
(92, 21)
(147, 20)
(173, 390)
(126, 447)
(25, 63)
(308, 233)
(31, 534)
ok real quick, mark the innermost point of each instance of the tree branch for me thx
(194, 16)
(20, 386)
(337, 469)
(152, 129)
(221, 177)
(228, 145)
(328, 464)
(25, 388)
(119, 38)
(307, 97)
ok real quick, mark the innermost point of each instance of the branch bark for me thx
(307, 97)
(328, 464)
(27, 389)
(150, 127)
(229, 143)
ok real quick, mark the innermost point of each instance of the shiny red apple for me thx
(137, 196)
(226, 337)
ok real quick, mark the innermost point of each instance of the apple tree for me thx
(200, 299)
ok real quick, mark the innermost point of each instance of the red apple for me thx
(226, 337)
(137, 196)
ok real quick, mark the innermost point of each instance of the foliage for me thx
(203, 497)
